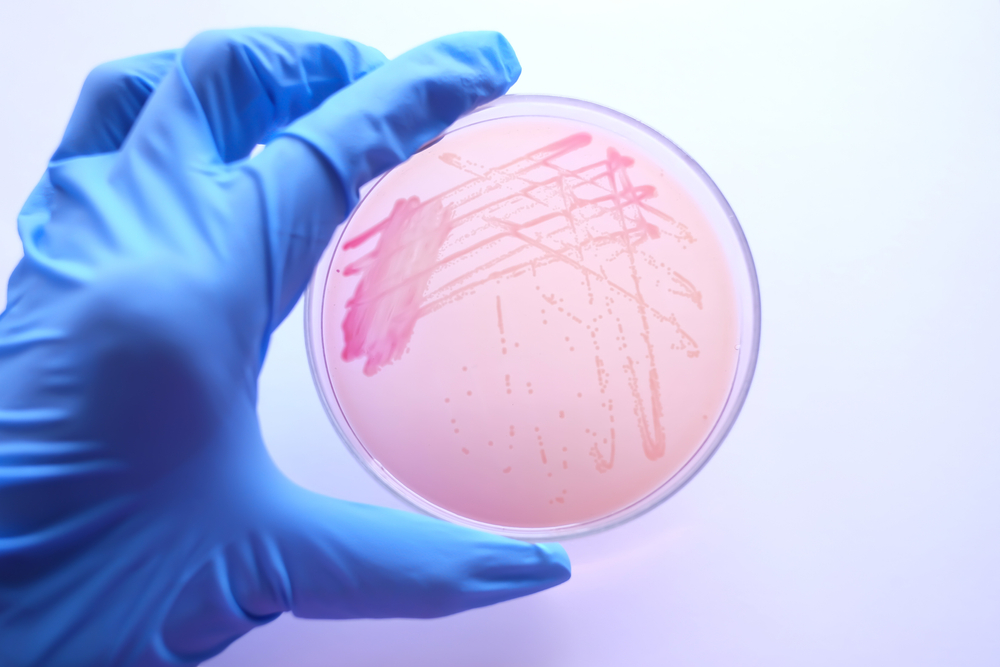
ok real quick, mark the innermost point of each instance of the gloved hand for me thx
(142, 521)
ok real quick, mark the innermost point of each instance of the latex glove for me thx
(141, 518)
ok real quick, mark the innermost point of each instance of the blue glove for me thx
(142, 521)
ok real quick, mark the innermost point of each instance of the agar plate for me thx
(542, 324)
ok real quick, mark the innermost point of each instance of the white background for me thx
(853, 515)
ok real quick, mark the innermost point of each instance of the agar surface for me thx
(584, 218)
(530, 332)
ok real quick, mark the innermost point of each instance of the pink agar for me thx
(530, 324)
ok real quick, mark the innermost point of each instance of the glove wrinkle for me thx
(257, 577)
(113, 94)
(205, 618)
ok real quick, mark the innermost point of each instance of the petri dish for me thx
(542, 324)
